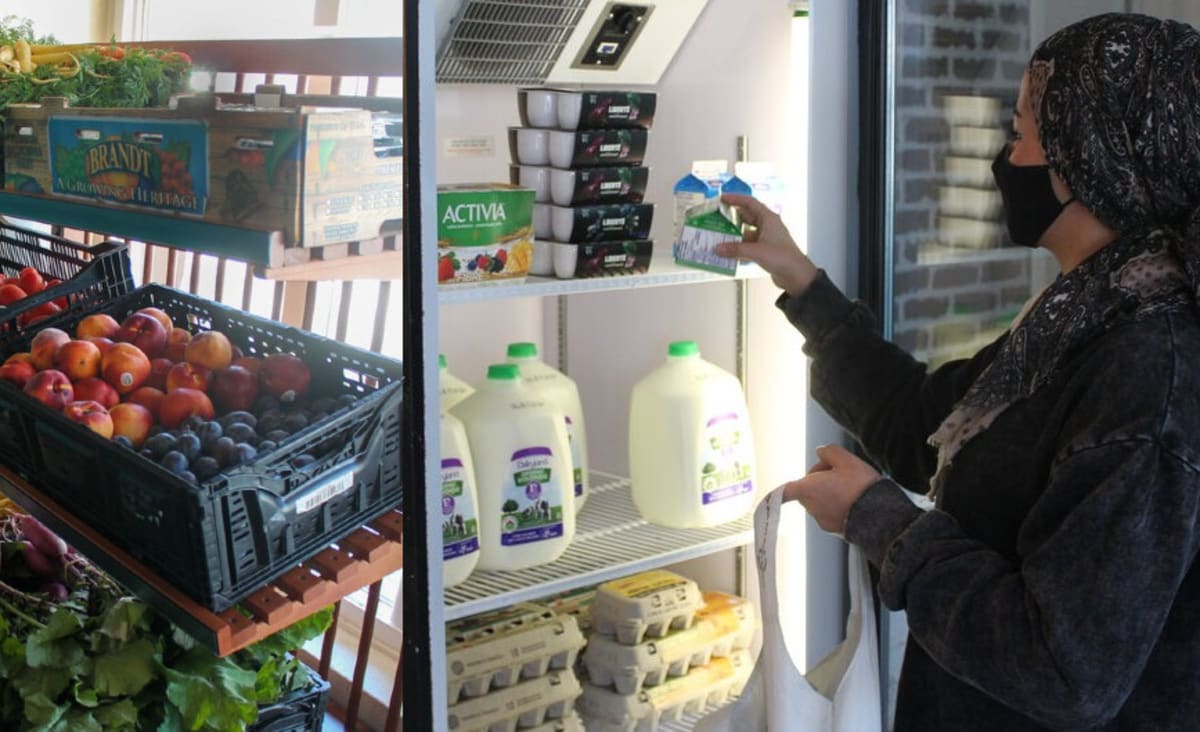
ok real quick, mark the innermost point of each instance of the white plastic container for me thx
(460, 504)
(691, 453)
(453, 389)
(523, 474)
(559, 389)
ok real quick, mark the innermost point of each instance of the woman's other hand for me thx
(770, 245)
(832, 486)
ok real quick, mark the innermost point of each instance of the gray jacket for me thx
(1054, 587)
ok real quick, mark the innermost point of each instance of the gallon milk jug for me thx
(691, 455)
(522, 459)
(460, 504)
(453, 389)
(559, 389)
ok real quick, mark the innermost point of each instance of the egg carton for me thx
(712, 684)
(570, 723)
(532, 703)
(647, 604)
(498, 650)
(577, 603)
(725, 624)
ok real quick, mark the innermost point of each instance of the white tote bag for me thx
(841, 693)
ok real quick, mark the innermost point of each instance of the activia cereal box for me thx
(485, 232)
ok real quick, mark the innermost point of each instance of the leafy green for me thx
(143, 78)
(13, 28)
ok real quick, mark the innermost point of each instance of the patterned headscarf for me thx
(1116, 100)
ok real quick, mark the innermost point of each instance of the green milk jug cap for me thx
(522, 350)
(441, 360)
(504, 371)
(679, 349)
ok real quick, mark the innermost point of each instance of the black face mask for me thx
(1030, 206)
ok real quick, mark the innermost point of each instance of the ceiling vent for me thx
(533, 42)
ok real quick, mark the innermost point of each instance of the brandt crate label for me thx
(156, 163)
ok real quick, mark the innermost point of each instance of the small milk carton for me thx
(485, 232)
(706, 226)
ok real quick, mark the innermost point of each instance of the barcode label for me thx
(335, 486)
(695, 248)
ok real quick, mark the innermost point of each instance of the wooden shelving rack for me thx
(360, 559)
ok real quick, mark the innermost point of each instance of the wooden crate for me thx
(310, 172)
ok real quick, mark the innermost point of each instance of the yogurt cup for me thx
(583, 148)
(539, 107)
(542, 263)
(565, 257)
(542, 221)
(605, 222)
(536, 177)
(530, 145)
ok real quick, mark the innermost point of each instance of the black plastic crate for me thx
(299, 711)
(225, 538)
(90, 275)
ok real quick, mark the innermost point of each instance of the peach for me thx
(148, 397)
(51, 388)
(233, 388)
(97, 325)
(125, 366)
(180, 404)
(145, 332)
(92, 415)
(17, 372)
(78, 360)
(158, 373)
(101, 342)
(45, 344)
(24, 357)
(211, 349)
(284, 376)
(250, 363)
(133, 421)
(160, 315)
(187, 376)
(97, 390)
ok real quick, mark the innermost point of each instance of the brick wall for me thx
(949, 299)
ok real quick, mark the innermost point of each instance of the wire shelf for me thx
(611, 540)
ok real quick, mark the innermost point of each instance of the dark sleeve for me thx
(1063, 634)
(881, 395)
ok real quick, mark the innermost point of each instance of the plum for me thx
(238, 417)
(265, 403)
(123, 441)
(266, 445)
(277, 436)
(205, 467)
(174, 461)
(190, 445)
(240, 432)
(208, 433)
(225, 451)
(160, 444)
(245, 452)
(295, 422)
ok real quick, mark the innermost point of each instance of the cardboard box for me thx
(485, 232)
(310, 172)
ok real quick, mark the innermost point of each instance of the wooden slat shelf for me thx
(361, 559)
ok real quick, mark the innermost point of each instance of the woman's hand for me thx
(831, 487)
(769, 245)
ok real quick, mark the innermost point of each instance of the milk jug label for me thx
(460, 527)
(726, 469)
(531, 510)
(576, 457)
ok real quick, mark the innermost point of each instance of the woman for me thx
(1054, 583)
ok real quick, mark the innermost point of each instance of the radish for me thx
(39, 563)
(44, 539)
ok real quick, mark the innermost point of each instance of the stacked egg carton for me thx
(582, 153)
(660, 649)
(513, 669)
(969, 205)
